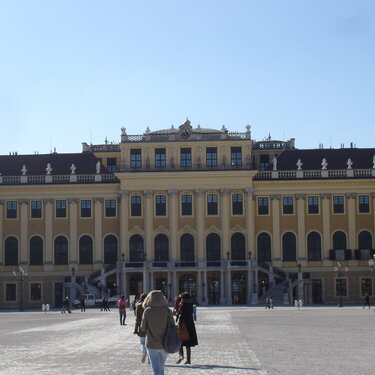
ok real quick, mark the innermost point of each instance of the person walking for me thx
(82, 304)
(154, 323)
(367, 301)
(185, 315)
(121, 303)
(105, 305)
(66, 306)
(137, 331)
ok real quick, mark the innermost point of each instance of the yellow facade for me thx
(188, 209)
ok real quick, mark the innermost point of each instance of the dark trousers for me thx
(122, 317)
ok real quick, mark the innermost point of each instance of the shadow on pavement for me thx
(213, 367)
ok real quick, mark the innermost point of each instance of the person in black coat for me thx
(185, 315)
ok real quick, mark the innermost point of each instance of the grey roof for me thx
(85, 163)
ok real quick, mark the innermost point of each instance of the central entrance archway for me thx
(188, 283)
(239, 288)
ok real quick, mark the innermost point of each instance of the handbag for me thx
(171, 342)
(182, 332)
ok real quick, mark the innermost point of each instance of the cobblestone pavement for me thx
(232, 341)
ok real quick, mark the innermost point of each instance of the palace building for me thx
(209, 211)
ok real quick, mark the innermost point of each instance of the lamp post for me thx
(371, 263)
(21, 275)
(170, 292)
(337, 269)
(203, 294)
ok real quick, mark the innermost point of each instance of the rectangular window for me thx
(235, 156)
(110, 207)
(363, 204)
(366, 286)
(35, 292)
(288, 208)
(212, 207)
(12, 210)
(160, 158)
(85, 208)
(36, 209)
(338, 204)
(264, 162)
(211, 157)
(136, 205)
(341, 288)
(313, 205)
(135, 158)
(160, 205)
(185, 156)
(186, 205)
(263, 206)
(61, 208)
(10, 292)
(111, 164)
(237, 204)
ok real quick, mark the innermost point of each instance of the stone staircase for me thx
(277, 292)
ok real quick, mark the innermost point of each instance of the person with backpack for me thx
(154, 323)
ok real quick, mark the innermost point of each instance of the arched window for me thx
(61, 250)
(314, 246)
(365, 240)
(289, 247)
(85, 250)
(11, 251)
(187, 247)
(213, 247)
(36, 251)
(136, 248)
(238, 247)
(110, 249)
(264, 247)
(161, 247)
(339, 240)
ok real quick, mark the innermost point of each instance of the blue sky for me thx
(76, 71)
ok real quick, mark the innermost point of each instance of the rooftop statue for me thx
(98, 167)
(73, 169)
(299, 164)
(48, 169)
(274, 162)
(324, 164)
(24, 170)
(349, 163)
(123, 131)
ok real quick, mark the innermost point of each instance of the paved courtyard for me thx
(232, 341)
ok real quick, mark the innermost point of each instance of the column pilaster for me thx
(147, 222)
(325, 198)
(98, 223)
(199, 222)
(123, 212)
(73, 234)
(275, 199)
(250, 220)
(351, 199)
(48, 230)
(24, 215)
(173, 223)
(301, 252)
(224, 221)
